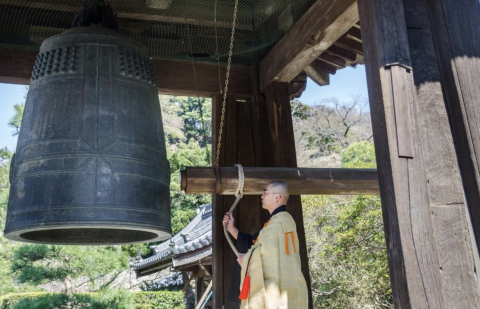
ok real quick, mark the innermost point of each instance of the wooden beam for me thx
(204, 296)
(354, 34)
(333, 60)
(319, 27)
(321, 65)
(342, 53)
(349, 44)
(173, 77)
(16, 65)
(176, 77)
(301, 181)
(413, 262)
(321, 78)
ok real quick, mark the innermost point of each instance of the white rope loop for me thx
(238, 195)
(241, 181)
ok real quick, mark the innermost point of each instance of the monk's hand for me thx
(228, 220)
(240, 258)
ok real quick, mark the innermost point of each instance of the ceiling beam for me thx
(320, 78)
(173, 77)
(323, 24)
(351, 45)
(333, 60)
(342, 53)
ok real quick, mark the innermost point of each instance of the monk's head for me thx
(275, 195)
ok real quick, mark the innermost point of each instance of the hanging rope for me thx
(238, 195)
(241, 176)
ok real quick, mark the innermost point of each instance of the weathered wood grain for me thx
(321, 65)
(17, 65)
(453, 241)
(342, 53)
(349, 44)
(301, 181)
(283, 147)
(333, 60)
(173, 77)
(320, 78)
(317, 30)
(402, 111)
(457, 45)
(410, 241)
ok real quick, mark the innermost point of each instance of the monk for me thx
(271, 275)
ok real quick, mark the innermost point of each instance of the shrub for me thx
(108, 299)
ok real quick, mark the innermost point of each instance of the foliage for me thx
(328, 127)
(186, 147)
(347, 252)
(16, 120)
(159, 300)
(359, 155)
(38, 264)
(109, 299)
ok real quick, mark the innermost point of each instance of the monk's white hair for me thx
(280, 187)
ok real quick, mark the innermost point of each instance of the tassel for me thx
(245, 287)
(287, 249)
(293, 241)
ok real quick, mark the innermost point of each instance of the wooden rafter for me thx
(342, 53)
(323, 24)
(320, 78)
(349, 44)
(333, 60)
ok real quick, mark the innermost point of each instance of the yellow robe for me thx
(276, 279)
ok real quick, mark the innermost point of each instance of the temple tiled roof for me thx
(192, 243)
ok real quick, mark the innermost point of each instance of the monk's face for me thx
(268, 197)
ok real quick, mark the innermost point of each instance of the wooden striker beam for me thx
(301, 181)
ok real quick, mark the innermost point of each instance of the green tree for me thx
(346, 244)
(16, 120)
(188, 145)
(36, 264)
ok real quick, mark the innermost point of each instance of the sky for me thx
(346, 82)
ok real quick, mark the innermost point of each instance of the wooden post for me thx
(283, 146)
(255, 134)
(450, 216)
(238, 146)
(457, 45)
(401, 172)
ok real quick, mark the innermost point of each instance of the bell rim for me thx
(16, 235)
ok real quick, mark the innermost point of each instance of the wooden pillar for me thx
(457, 45)
(283, 146)
(257, 132)
(455, 245)
(199, 288)
(403, 188)
(239, 145)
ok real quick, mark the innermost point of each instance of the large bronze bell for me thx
(90, 166)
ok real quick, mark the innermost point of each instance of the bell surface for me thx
(90, 165)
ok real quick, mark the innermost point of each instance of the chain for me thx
(222, 119)
(198, 93)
